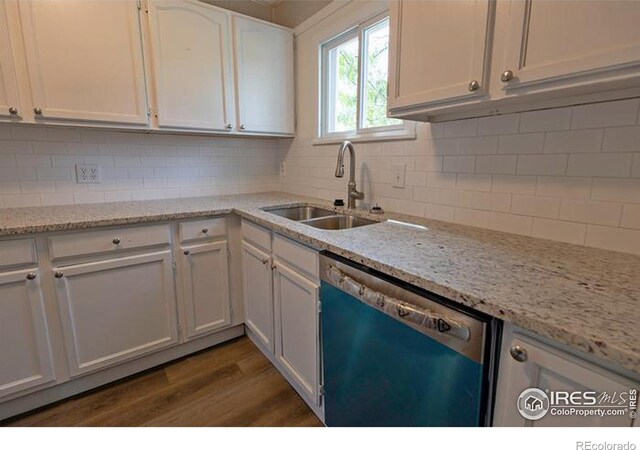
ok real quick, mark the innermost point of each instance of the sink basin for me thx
(300, 213)
(339, 222)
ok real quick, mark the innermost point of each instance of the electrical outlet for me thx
(399, 171)
(283, 170)
(88, 174)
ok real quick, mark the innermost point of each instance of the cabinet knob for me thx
(13, 111)
(31, 276)
(116, 241)
(265, 261)
(228, 126)
(273, 267)
(474, 85)
(37, 111)
(506, 76)
(205, 230)
(187, 252)
(518, 353)
(58, 274)
(243, 126)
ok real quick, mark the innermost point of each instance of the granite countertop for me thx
(583, 297)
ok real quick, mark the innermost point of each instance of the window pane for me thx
(342, 87)
(375, 77)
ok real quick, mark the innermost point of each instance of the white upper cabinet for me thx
(9, 100)
(437, 52)
(191, 56)
(264, 77)
(84, 61)
(25, 352)
(561, 43)
(451, 60)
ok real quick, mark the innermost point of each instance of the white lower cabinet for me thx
(537, 365)
(258, 294)
(116, 309)
(25, 352)
(296, 320)
(205, 284)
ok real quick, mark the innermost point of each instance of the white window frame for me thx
(404, 130)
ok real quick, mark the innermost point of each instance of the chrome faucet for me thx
(352, 192)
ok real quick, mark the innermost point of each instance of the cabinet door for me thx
(25, 353)
(264, 77)
(549, 369)
(8, 82)
(437, 49)
(563, 41)
(205, 283)
(191, 65)
(297, 338)
(116, 309)
(258, 294)
(84, 60)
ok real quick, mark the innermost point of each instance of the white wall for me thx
(569, 174)
(37, 165)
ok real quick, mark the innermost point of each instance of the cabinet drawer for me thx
(298, 256)
(76, 244)
(17, 252)
(256, 235)
(203, 229)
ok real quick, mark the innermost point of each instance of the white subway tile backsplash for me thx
(617, 239)
(616, 190)
(600, 165)
(516, 184)
(521, 143)
(573, 141)
(505, 124)
(33, 161)
(621, 139)
(635, 169)
(472, 217)
(510, 223)
(609, 114)
(529, 205)
(542, 164)
(564, 187)
(631, 216)
(54, 173)
(479, 145)
(557, 230)
(473, 182)
(461, 128)
(459, 164)
(491, 201)
(498, 164)
(584, 211)
(439, 212)
(545, 120)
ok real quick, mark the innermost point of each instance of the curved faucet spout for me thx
(352, 193)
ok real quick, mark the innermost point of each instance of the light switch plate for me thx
(399, 172)
(88, 174)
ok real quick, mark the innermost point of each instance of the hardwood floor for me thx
(232, 384)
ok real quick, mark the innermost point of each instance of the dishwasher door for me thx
(395, 358)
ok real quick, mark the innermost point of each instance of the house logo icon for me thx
(533, 404)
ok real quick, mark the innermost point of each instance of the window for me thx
(354, 83)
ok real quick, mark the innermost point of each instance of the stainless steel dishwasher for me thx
(394, 355)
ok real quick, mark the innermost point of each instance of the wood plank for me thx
(232, 384)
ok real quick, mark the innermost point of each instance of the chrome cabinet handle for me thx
(243, 126)
(58, 274)
(13, 111)
(187, 252)
(205, 230)
(31, 276)
(116, 241)
(474, 86)
(506, 76)
(518, 353)
(37, 111)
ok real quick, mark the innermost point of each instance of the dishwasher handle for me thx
(403, 311)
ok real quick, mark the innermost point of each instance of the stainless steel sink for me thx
(300, 213)
(341, 222)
